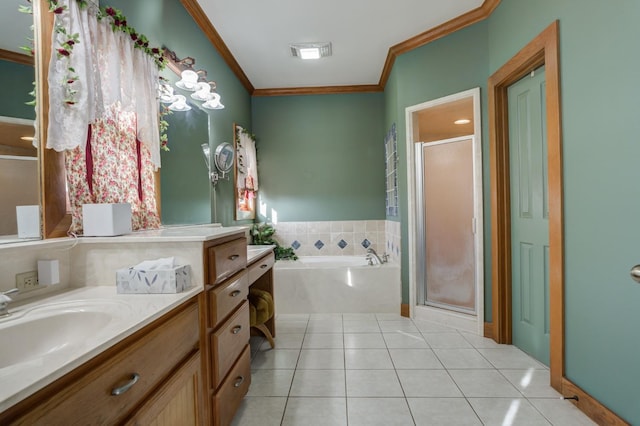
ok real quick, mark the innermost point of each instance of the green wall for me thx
(599, 64)
(598, 60)
(18, 80)
(321, 157)
(454, 64)
(167, 23)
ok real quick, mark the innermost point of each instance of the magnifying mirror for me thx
(224, 158)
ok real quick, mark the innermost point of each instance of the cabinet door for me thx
(178, 401)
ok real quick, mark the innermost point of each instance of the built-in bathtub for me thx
(336, 284)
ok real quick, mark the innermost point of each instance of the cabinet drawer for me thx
(258, 269)
(226, 297)
(85, 395)
(227, 343)
(233, 389)
(227, 259)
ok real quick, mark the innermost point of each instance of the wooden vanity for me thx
(190, 366)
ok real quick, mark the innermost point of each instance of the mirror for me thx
(224, 158)
(19, 181)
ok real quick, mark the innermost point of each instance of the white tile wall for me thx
(340, 238)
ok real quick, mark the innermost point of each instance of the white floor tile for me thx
(391, 317)
(531, 382)
(321, 359)
(561, 413)
(292, 317)
(378, 412)
(442, 412)
(264, 411)
(318, 383)
(414, 359)
(277, 358)
(373, 383)
(391, 326)
(285, 341)
(285, 327)
(323, 341)
(428, 384)
(483, 384)
(446, 341)
(358, 317)
(361, 327)
(364, 341)
(315, 412)
(266, 382)
(507, 411)
(330, 317)
(432, 327)
(405, 340)
(462, 358)
(510, 357)
(325, 326)
(367, 359)
(481, 342)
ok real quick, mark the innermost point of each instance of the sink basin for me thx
(53, 329)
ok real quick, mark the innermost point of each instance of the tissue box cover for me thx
(106, 220)
(174, 280)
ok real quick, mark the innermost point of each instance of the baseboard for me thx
(488, 330)
(404, 310)
(590, 406)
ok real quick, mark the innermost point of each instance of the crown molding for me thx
(476, 15)
(19, 58)
(206, 26)
(442, 30)
(320, 90)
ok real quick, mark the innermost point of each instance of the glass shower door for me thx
(448, 254)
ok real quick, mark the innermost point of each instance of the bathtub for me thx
(336, 284)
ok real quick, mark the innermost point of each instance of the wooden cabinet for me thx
(130, 381)
(261, 277)
(227, 332)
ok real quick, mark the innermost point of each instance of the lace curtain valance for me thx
(93, 68)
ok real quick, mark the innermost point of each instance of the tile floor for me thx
(383, 369)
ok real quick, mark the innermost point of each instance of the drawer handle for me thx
(239, 381)
(236, 329)
(235, 293)
(264, 266)
(234, 256)
(122, 389)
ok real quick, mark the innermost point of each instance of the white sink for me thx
(53, 329)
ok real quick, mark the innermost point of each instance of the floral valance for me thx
(98, 62)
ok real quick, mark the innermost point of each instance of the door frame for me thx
(542, 50)
(471, 323)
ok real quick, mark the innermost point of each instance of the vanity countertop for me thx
(129, 313)
(171, 234)
(256, 252)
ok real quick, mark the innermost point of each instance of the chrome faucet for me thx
(371, 254)
(5, 300)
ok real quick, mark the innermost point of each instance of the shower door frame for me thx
(473, 323)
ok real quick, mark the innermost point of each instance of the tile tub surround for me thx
(340, 238)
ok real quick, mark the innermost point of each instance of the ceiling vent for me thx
(310, 50)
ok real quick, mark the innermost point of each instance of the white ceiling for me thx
(258, 34)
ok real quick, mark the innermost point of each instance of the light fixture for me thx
(462, 121)
(310, 50)
(166, 94)
(203, 92)
(179, 104)
(188, 81)
(214, 102)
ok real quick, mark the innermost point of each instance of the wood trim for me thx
(591, 406)
(543, 50)
(207, 28)
(324, 90)
(488, 330)
(442, 30)
(55, 220)
(404, 310)
(19, 58)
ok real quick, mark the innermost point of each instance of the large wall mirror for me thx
(19, 176)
